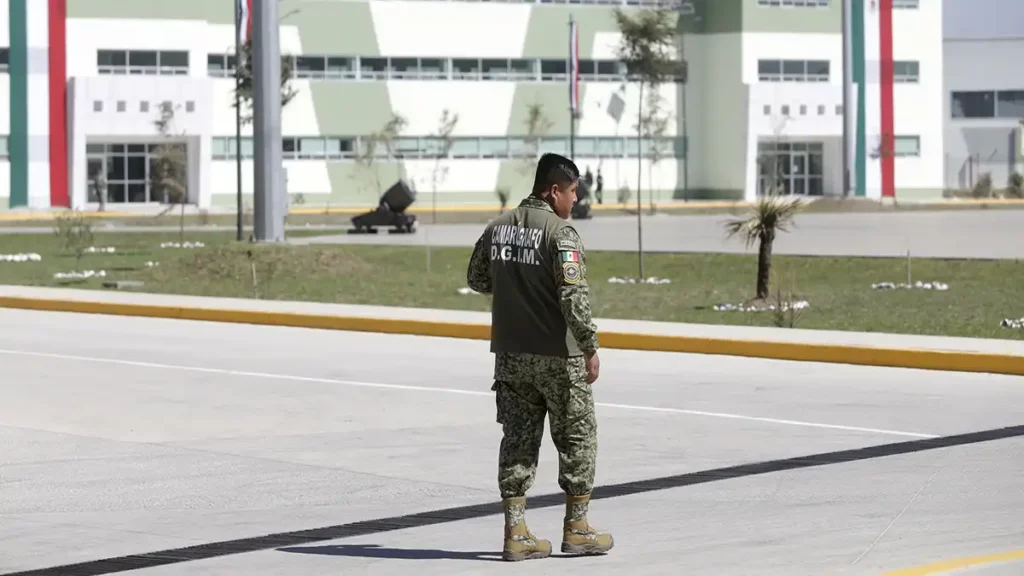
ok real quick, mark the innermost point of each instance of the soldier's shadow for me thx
(375, 551)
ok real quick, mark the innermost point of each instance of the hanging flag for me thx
(574, 67)
(243, 12)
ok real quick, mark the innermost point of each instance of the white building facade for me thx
(764, 88)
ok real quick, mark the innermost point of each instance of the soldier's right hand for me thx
(593, 366)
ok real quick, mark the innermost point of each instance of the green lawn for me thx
(980, 295)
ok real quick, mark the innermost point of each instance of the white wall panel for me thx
(919, 108)
(220, 39)
(456, 29)
(777, 46)
(483, 107)
(5, 24)
(462, 175)
(5, 183)
(87, 35)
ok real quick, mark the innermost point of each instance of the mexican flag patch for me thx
(570, 256)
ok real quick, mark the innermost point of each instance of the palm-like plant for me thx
(772, 213)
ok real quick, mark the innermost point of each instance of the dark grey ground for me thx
(937, 234)
(940, 234)
(126, 436)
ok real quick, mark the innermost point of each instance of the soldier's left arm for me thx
(478, 273)
(573, 290)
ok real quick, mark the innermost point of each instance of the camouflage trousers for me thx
(528, 388)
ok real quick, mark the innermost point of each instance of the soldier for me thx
(545, 344)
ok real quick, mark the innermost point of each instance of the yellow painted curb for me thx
(958, 564)
(830, 353)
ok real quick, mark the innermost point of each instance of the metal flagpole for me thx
(268, 171)
(238, 116)
(847, 71)
(573, 85)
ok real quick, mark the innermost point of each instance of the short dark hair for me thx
(554, 169)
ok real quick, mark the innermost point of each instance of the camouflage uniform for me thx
(529, 386)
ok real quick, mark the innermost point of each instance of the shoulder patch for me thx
(567, 245)
(571, 272)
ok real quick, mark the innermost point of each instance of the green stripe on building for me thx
(18, 140)
(859, 75)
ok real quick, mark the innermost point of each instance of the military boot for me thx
(520, 544)
(578, 536)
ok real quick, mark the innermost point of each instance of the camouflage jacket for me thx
(573, 296)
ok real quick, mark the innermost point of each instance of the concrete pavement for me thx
(939, 234)
(927, 234)
(123, 436)
(756, 333)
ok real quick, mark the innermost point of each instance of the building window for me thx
(310, 67)
(97, 106)
(130, 171)
(339, 148)
(142, 62)
(795, 3)
(907, 146)
(906, 72)
(5, 60)
(793, 70)
(977, 104)
(331, 67)
(1010, 104)
(5, 147)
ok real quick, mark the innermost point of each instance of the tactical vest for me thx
(526, 316)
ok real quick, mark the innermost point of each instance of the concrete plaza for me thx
(175, 447)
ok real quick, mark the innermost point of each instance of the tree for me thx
(537, 125)
(648, 47)
(169, 170)
(377, 142)
(245, 82)
(771, 214)
(444, 142)
(441, 146)
(654, 126)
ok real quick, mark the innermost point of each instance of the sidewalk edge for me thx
(954, 361)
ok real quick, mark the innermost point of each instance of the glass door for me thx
(94, 166)
(798, 173)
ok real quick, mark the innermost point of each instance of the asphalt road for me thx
(132, 436)
(940, 234)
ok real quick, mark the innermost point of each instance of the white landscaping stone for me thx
(799, 305)
(651, 280)
(180, 245)
(20, 257)
(940, 286)
(80, 275)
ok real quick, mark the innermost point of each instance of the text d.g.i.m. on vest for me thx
(516, 244)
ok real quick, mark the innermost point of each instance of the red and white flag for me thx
(243, 11)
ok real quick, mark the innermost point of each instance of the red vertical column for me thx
(58, 103)
(888, 116)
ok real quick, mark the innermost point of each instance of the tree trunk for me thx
(764, 263)
(639, 178)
